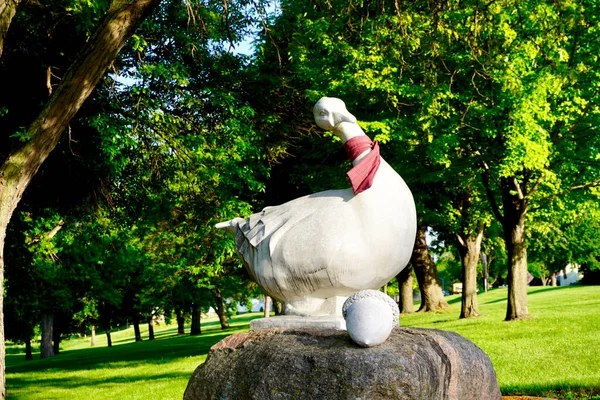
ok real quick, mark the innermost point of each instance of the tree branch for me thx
(491, 198)
(518, 188)
(49, 235)
(8, 8)
(461, 241)
(121, 19)
(571, 189)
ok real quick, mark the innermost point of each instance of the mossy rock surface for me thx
(308, 364)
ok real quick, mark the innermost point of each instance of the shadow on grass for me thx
(149, 352)
(563, 391)
(531, 292)
(63, 383)
(454, 300)
(166, 346)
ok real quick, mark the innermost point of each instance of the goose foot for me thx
(312, 306)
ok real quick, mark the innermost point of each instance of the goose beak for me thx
(324, 118)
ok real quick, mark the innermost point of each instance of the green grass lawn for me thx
(157, 369)
(555, 354)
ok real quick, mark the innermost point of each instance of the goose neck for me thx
(348, 130)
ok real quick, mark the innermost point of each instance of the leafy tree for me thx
(566, 231)
(494, 251)
(184, 153)
(508, 86)
(44, 130)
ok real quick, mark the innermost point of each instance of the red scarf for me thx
(362, 174)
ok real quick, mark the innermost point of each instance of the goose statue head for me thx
(331, 115)
(330, 112)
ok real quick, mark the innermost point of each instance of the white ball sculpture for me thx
(370, 317)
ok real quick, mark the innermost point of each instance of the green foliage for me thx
(449, 269)
(495, 250)
(566, 231)
(183, 154)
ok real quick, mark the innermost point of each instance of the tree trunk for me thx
(517, 273)
(220, 309)
(56, 336)
(122, 18)
(469, 247)
(180, 317)
(106, 327)
(4, 218)
(108, 338)
(28, 353)
(432, 298)
(267, 310)
(8, 9)
(136, 328)
(277, 307)
(405, 286)
(151, 327)
(513, 224)
(93, 339)
(486, 278)
(553, 279)
(46, 349)
(196, 328)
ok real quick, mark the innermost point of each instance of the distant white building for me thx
(257, 306)
(569, 275)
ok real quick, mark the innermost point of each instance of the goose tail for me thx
(229, 226)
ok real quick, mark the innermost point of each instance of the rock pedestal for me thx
(288, 363)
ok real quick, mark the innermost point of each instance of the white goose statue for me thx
(313, 252)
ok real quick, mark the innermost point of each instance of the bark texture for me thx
(106, 327)
(267, 309)
(4, 218)
(515, 206)
(180, 317)
(196, 328)
(405, 286)
(151, 328)
(432, 298)
(108, 338)
(305, 364)
(8, 8)
(122, 18)
(220, 309)
(93, 338)
(469, 247)
(513, 223)
(136, 328)
(277, 307)
(28, 353)
(46, 348)
(56, 337)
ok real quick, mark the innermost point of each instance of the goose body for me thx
(329, 245)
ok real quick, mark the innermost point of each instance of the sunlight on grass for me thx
(128, 370)
(556, 351)
(554, 354)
